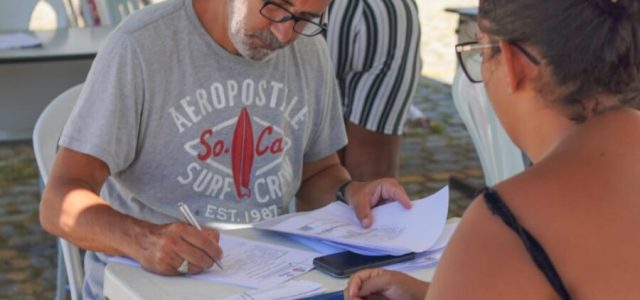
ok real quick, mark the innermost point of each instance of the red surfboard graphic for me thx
(242, 154)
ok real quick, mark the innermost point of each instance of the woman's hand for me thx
(363, 196)
(384, 284)
(164, 247)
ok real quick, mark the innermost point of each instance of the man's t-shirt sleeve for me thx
(106, 119)
(328, 134)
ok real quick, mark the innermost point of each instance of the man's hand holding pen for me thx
(162, 249)
(191, 219)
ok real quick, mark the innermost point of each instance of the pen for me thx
(184, 209)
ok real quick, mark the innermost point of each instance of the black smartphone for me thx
(343, 264)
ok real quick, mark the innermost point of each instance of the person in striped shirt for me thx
(374, 48)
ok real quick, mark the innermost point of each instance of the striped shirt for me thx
(374, 47)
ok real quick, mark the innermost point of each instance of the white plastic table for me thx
(31, 77)
(127, 282)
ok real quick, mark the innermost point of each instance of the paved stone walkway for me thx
(430, 155)
(27, 253)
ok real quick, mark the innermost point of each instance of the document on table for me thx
(290, 290)
(431, 257)
(395, 230)
(18, 40)
(253, 264)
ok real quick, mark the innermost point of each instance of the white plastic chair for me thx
(499, 157)
(45, 144)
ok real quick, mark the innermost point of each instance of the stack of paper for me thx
(18, 40)
(290, 290)
(423, 260)
(252, 264)
(395, 230)
(431, 257)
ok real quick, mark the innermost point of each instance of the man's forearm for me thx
(79, 215)
(320, 189)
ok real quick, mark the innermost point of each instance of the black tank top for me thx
(537, 253)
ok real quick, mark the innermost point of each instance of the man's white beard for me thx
(238, 34)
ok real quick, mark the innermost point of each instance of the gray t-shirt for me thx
(177, 118)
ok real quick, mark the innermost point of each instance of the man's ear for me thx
(517, 68)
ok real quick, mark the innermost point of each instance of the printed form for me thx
(395, 230)
(290, 290)
(252, 264)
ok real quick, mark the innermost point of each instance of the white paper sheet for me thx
(445, 236)
(425, 260)
(395, 230)
(252, 264)
(18, 40)
(431, 257)
(290, 290)
(317, 245)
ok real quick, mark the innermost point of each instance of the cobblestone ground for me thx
(27, 253)
(430, 155)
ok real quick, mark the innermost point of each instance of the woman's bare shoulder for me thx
(486, 260)
(593, 253)
(581, 203)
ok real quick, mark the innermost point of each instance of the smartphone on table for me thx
(343, 264)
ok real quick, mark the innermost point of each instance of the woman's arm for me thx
(387, 284)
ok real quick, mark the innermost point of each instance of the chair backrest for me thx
(16, 14)
(45, 144)
(499, 157)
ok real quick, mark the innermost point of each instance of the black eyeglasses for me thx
(305, 26)
(470, 57)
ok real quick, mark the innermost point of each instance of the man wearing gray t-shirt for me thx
(219, 104)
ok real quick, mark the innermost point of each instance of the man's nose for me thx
(284, 31)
